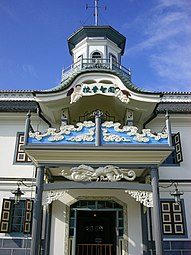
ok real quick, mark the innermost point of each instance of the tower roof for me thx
(97, 31)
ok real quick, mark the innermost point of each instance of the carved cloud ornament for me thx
(106, 173)
(85, 132)
(53, 135)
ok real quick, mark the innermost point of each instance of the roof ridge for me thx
(15, 91)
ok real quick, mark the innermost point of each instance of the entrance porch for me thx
(77, 166)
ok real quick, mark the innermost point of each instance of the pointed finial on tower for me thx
(96, 8)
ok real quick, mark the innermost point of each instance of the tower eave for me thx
(97, 31)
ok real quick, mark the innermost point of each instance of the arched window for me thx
(97, 59)
(96, 55)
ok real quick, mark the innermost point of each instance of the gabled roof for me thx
(97, 31)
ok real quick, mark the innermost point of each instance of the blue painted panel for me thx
(84, 133)
(12, 243)
(72, 138)
(5, 251)
(181, 245)
(111, 136)
(172, 253)
(166, 245)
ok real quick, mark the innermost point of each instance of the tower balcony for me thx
(100, 64)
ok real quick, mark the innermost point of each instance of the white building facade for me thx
(99, 162)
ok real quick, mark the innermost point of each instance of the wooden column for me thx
(37, 213)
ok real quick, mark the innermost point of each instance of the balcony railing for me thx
(95, 63)
(94, 249)
(91, 143)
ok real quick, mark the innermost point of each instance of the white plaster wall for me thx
(57, 239)
(10, 125)
(10, 173)
(8, 134)
(187, 204)
(93, 48)
(89, 45)
(114, 52)
(179, 123)
(133, 219)
(80, 51)
(182, 124)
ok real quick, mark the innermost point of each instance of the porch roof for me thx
(139, 155)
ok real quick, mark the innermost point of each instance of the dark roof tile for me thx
(18, 106)
(174, 107)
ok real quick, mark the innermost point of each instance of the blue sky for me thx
(33, 40)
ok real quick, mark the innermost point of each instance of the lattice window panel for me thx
(172, 218)
(21, 156)
(176, 157)
(16, 217)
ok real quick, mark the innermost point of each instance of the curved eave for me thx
(66, 83)
(97, 31)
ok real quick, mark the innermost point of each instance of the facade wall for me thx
(179, 123)
(133, 236)
(182, 175)
(86, 49)
(11, 171)
(11, 124)
(80, 50)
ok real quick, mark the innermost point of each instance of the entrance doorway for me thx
(95, 233)
(96, 227)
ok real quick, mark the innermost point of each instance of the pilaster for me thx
(156, 212)
(37, 212)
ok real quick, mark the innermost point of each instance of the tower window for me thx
(96, 55)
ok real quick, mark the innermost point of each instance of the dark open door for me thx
(96, 233)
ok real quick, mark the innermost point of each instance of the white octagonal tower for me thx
(97, 42)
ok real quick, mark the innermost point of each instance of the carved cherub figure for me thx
(76, 94)
(123, 95)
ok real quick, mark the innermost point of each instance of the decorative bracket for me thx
(144, 197)
(50, 196)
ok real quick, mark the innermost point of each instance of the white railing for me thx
(96, 63)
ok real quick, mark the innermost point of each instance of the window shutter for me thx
(6, 216)
(21, 156)
(27, 225)
(178, 149)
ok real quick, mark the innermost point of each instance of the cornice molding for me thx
(16, 96)
(176, 98)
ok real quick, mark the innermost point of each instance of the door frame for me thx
(121, 243)
(112, 214)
